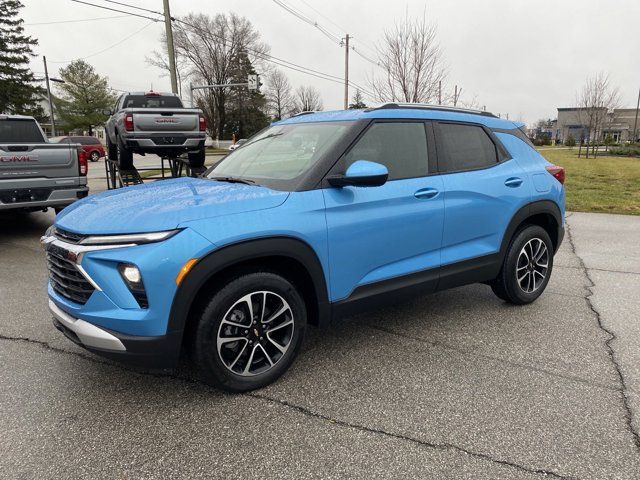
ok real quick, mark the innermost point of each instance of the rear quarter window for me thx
(464, 147)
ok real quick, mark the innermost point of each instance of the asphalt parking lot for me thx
(452, 385)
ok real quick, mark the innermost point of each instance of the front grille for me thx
(65, 278)
(68, 237)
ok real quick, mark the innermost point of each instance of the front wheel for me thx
(526, 268)
(250, 332)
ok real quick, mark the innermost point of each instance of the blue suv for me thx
(314, 218)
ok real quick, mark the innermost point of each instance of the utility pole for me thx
(440, 92)
(346, 71)
(46, 76)
(171, 51)
(635, 124)
(455, 96)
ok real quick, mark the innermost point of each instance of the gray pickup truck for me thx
(155, 123)
(35, 174)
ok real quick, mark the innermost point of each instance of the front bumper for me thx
(148, 352)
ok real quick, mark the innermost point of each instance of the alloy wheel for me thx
(255, 333)
(532, 265)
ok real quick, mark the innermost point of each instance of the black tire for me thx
(125, 156)
(95, 156)
(226, 367)
(112, 151)
(196, 159)
(534, 277)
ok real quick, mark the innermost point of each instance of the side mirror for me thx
(107, 112)
(361, 173)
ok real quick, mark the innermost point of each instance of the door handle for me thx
(513, 182)
(426, 193)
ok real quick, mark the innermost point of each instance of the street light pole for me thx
(171, 51)
(46, 76)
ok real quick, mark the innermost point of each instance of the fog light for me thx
(131, 273)
(133, 278)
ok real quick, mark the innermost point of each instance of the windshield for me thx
(280, 154)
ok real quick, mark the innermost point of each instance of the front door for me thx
(379, 234)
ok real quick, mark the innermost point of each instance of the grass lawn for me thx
(608, 184)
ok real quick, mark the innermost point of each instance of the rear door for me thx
(483, 188)
(379, 235)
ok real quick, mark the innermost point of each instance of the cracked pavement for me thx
(451, 385)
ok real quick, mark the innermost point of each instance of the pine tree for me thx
(18, 90)
(357, 102)
(84, 97)
(245, 113)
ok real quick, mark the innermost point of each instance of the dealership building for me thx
(619, 125)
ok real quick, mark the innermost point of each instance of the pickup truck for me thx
(34, 173)
(156, 123)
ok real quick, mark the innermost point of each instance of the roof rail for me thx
(426, 106)
(307, 112)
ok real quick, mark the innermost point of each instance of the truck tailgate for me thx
(165, 120)
(38, 161)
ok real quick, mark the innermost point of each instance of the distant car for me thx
(90, 145)
(239, 143)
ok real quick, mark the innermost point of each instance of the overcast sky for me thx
(518, 57)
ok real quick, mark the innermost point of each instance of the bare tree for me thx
(307, 99)
(595, 102)
(412, 62)
(209, 46)
(161, 60)
(279, 95)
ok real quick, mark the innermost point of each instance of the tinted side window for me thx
(465, 147)
(401, 147)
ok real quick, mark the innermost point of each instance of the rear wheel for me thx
(125, 156)
(526, 268)
(196, 159)
(250, 332)
(95, 156)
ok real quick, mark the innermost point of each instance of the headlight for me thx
(129, 238)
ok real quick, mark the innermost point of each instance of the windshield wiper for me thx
(246, 181)
(264, 138)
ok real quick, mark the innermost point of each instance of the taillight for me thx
(203, 124)
(128, 122)
(557, 172)
(83, 165)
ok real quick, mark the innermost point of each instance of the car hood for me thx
(164, 205)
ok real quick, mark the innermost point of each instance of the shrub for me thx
(570, 141)
(632, 150)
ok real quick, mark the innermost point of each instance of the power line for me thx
(340, 29)
(267, 57)
(108, 48)
(75, 21)
(132, 6)
(309, 21)
(116, 10)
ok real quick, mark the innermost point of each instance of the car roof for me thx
(15, 117)
(404, 111)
